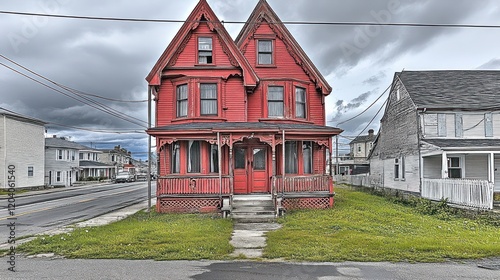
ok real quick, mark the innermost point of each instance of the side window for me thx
(265, 52)
(30, 171)
(205, 50)
(176, 158)
(300, 103)
(182, 101)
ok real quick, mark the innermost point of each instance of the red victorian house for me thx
(239, 117)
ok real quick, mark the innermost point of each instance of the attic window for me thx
(205, 50)
(265, 49)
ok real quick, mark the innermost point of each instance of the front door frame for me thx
(249, 180)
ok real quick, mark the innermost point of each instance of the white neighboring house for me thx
(61, 162)
(440, 136)
(21, 150)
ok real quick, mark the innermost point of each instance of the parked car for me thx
(141, 177)
(124, 177)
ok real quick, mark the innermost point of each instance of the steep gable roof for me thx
(453, 89)
(202, 11)
(264, 12)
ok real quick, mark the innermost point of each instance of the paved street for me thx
(38, 212)
(44, 268)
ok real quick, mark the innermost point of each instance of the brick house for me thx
(239, 117)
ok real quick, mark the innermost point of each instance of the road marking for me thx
(52, 207)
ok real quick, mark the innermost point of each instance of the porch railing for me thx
(192, 185)
(295, 184)
(470, 193)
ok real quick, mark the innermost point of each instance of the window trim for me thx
(304, 103)
(178, 100)
(209, 99)
(399, 169)
(282, 101)
(272, 52)
(461, 166)
(198, 50)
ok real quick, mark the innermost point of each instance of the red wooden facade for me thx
(236, 117)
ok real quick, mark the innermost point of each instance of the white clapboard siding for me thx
(470, 193)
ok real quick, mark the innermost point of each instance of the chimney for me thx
(370, 132)
(54, 136)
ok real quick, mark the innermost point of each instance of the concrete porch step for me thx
(254, 208)
(246, 218)
(253, 197)
(249, 209)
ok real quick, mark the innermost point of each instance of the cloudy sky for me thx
(110, 59)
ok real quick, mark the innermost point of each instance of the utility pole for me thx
(337, 167)
(149, 151)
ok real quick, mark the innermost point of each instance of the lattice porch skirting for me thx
(188, 205)
(307, 203)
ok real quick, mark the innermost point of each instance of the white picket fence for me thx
(470, 193)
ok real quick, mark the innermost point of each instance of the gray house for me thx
(440, 136)
(67, 162)
(61, 162)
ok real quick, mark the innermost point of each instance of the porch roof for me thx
(469, 144)
(94, 164)
(246, 126)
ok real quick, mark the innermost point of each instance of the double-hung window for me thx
(59, 154)
(194, 157)
(205, 50)
(399, 168)
(454, 167)
(307, 156)
(291, 157)
(30, 171)
(182, 101)
(265, 52)
(208, 98)
(275, 102)
(176, 158)
(300, 103)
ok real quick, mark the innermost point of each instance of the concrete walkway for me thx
(249, 239)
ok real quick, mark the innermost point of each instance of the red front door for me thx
(250, 169)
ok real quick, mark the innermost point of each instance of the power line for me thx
(127, 131)
(86, 100)
(381, 107)
(338, 23)
(367, 108)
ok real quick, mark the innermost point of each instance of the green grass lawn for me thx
(361, 227)
(365, 227)
(159, 237)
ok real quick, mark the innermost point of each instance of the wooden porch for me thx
(211, 192)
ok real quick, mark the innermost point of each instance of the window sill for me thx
(282, 119)
(207, 119)
(266, 66)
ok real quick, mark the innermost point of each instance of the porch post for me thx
(219, 161)
(491, 167)
(444, 166)
(283, 163)
(231, 165)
